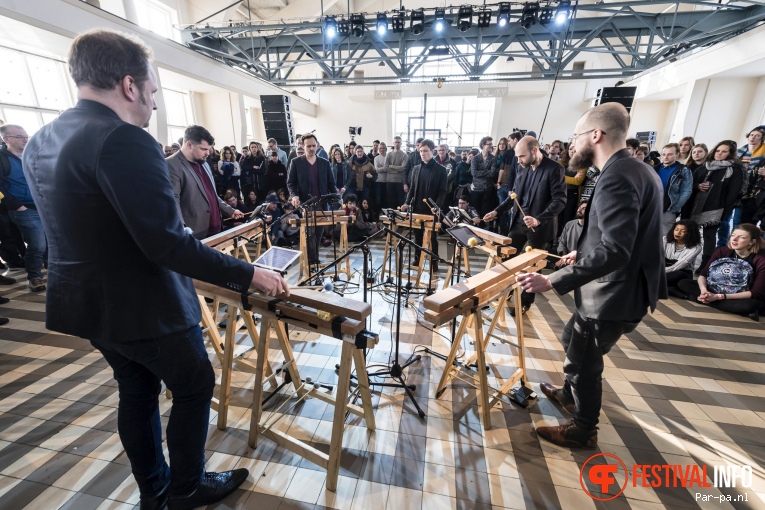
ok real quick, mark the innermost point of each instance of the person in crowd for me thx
(633, 144)
(310, 176)
(320, 152)
(640, 153)
(682, 244)
(507, 167)
(443, 159)
(698, 156)
(251, 200)
(483, 168)
(360, 228)
(229, 169)
(572, 230)
(412, 160)
(287, 235)
(380, 187)
(340, 169)
(733, 280)
(252, 170)
(617, 274)
(540, 189)
(19, 203)
(100, 177)
(574, 180)
(12, 246)
(677, 181)
(395, 161)
(752, 157)
(244, 154)
(716, 187)
(464, 204)
(275, 174)
(273, 210)
(428, 182)
(232, 198)
(375, 150)
(273, 146)
(555, 150)
(294, 152)
(369, 215)
(362, 174)
(464, 178)
(168, 151)
(685, 145)
(237, 155)
(348, 153)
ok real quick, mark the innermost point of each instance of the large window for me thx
(33, 89)
(179, 112)
(158, 17)
(463, 120)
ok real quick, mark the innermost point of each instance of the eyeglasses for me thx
(576, 135)
(17, 136)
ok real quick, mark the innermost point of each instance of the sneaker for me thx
(5, 280)
(570, 435)
(36, 284)
(556, 395)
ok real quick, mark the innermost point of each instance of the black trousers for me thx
(737, 306)
(675, 277)
(586, 341)
(484, 201)
(710, 243)
(395, 194)
(12, 247)
(521, 235)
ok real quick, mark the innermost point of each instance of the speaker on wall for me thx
(277, 120)
(622, 95)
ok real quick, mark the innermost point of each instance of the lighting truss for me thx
(636, 34)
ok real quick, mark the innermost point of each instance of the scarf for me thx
(360, 161)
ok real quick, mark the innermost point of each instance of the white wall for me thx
(725, 110)
(224, 117)
(651, 116)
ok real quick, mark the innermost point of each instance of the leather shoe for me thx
(755, 316)
(524, 309)
(4, 280)
(557, 395)
(570, 435)
(212, 488)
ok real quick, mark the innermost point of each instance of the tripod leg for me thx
(456, 342)
(284, 343)
(411, 396)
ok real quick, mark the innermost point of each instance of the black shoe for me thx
(4, 321)
(524, 309)
(158, 502)
(4, 280)
(4, 300)
(213, 488)
(755, 316)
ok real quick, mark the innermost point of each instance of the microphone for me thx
(310, 201)
(328, 286)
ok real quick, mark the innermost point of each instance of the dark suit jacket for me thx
(547, 200)
(119, 261)
(434, 188)
(297, 178)
(619, 270)
(190, 196)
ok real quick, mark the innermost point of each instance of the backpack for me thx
(729, 276)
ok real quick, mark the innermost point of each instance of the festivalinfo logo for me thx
(604, 477)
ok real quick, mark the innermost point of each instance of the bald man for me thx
(616, 272)
(540, 186)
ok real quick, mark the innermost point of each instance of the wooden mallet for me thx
(529, 249)
(515, 197)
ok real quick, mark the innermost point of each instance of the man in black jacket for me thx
(428, 182)
(616, 272)
(100, 181)
(540, 188)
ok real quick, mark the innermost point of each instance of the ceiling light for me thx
(564, 12)
(529, 14)
(484, 18)
(503, 17)
(465, 18)
(547, 14)
(330, 27)
(357, 24)
(382, 23)
(397, 22)
(440, 22)
(416, 21)
(342, 27)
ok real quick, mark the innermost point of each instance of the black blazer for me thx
(547, 200)
(619, 270)
(297, 178)
(119, 263)
(434, 189)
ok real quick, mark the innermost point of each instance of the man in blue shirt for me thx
(21, 206)
(677, 181)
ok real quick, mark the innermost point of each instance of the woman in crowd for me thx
(716, 186)
(245, 153)
(362, 174)
(682, 245)
(464, 179)
(574, 180)
(734, 278)
(251, 200)
(276, 173)
(698, 156)
(369, 216)
(252, 165)
(482, 166)
(686, 144)
(340, 170)
(500, 153)
(752, 157)
(229, 170)
(381, 199)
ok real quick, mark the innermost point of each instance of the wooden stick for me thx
(529, 249)
(521, 209)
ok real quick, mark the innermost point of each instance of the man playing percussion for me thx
(618, 269)
(120, 266)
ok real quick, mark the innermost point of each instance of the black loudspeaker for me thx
(277, 119)
(622, 95)
(647, 136)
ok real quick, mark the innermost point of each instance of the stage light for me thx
(416, 21)
(342, 27)
(564, 12)
(330, 27)
(547, 14)
(503, 17)
(357, 24)
(484, 18)
(440, 22)
(529, 14)
(397, 22)
(465, 18)
(382, 23)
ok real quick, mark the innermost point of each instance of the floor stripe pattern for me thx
(686, 388)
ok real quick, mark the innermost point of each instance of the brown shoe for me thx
(36, 284)
(569, 435)
(557, 395)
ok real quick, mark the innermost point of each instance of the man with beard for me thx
(194, 187)
(570, 235)
(541, 192)
(617, 270)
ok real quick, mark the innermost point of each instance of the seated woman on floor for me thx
(734, 278)
(682, 244)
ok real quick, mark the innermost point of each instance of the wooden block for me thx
(244, 230)
(490, 236)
